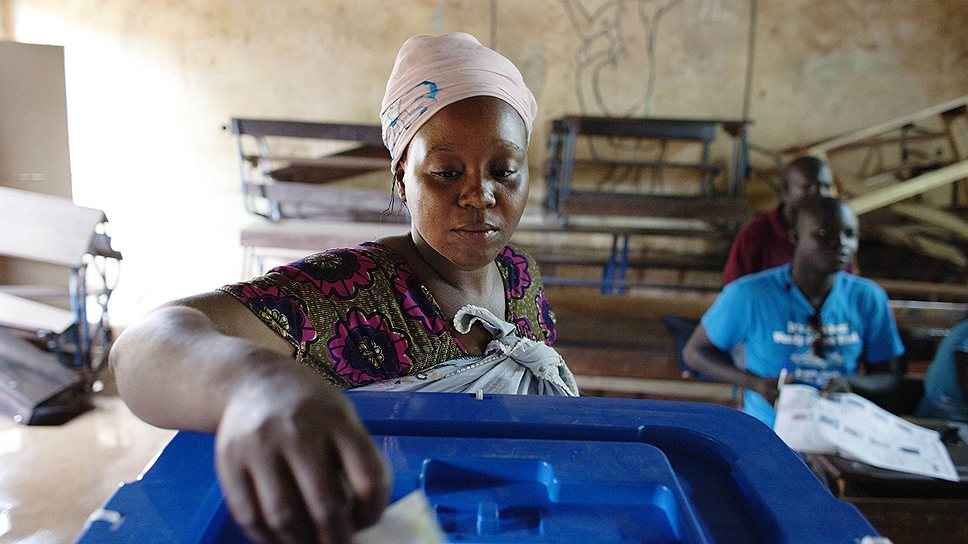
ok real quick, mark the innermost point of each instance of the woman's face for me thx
(465, 181)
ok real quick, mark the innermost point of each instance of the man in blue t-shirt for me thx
(808, 317)
(946, 385)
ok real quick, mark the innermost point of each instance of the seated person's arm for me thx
(703, 356)
(881, 378)
(287, 443)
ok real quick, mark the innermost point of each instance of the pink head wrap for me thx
(435, 71)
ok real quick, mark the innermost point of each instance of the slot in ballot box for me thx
(510, 468)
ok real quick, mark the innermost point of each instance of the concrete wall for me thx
(151, 83)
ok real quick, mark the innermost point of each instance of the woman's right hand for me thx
(294, 461)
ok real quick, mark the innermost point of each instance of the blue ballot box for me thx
(536, 469)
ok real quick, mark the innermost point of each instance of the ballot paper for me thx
(852, 426)
(409, 520)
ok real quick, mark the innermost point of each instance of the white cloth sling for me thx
(510, 365)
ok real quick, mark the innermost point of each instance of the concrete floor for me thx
(52, 478)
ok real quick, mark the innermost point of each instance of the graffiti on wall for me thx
(618, 41)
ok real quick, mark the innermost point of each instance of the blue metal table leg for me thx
(608, 273)
(623, 264)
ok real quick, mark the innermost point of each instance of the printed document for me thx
(852, 426)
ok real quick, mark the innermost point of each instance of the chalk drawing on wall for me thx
(617, 48)
(622, 61)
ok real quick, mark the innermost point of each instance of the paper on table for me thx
(797, 411)
(407, 521)
(855, 427)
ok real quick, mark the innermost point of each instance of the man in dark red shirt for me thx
(764, 242)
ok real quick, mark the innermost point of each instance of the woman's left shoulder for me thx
(519, 271)
(379, 255)
(520, 257)
(512, 250)
(528, 306)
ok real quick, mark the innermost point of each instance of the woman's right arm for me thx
(178, 367)
(294, 461)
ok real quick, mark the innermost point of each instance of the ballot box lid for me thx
(506, 468)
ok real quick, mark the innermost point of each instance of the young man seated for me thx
(808, 317)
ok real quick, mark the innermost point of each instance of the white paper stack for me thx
(854, 427)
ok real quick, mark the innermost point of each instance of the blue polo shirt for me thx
(769, 316)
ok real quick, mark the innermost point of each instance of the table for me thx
(904, 507)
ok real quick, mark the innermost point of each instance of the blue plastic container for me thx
(537, 469)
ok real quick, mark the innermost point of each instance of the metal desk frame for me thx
(562, 142)
(265, 195)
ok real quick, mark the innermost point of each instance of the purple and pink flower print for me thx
(518, 275)
(336, 273)
(416, 302)
(366, 349)
(286, 315)
(367, 341)
(546, 317)
(522, 325)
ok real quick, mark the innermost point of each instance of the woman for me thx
(295, 463)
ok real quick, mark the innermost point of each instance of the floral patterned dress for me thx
(359, 315)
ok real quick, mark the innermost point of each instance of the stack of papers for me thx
(852, 426)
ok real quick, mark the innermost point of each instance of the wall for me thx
(150, 85)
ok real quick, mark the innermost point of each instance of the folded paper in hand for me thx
(852, 426)
(407, 521)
